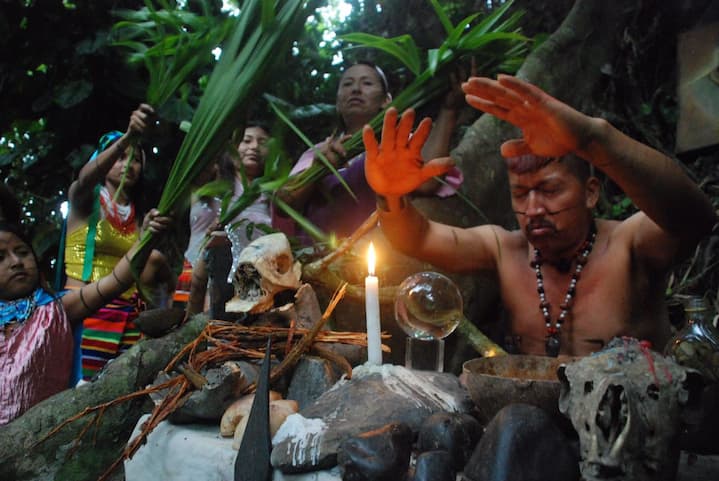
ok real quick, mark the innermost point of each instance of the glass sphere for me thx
(428, 306)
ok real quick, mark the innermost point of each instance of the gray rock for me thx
(374, 397)
(434, 465)
(312, 377)
(522, 443)
(456, 433)
(224, 385)
(379, 455)
(158, 322)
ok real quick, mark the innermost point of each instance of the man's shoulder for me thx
(621, 232)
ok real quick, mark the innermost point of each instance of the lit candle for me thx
(371, 286)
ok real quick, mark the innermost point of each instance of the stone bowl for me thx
(494, 382)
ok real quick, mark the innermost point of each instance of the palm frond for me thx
(495, 40)
(247, 58)
(171, 43)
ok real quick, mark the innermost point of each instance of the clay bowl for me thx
(494, 382)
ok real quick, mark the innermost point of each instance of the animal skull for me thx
(625, 403)
(264, 268)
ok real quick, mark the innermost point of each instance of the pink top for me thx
(35, 360)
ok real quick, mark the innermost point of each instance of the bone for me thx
(239, 410)
(279, 410)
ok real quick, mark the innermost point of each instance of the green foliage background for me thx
(62, 85)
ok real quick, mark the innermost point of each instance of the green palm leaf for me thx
(169, 42)
(495, 40)
(442, 15)
(402, 48)
(243, 68)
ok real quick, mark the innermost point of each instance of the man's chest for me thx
(590, 308)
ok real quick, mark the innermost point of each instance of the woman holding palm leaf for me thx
(362, 93)
(248, 164)
(102, 225)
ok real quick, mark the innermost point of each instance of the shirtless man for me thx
(623, 267)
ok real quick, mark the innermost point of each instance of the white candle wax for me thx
(371, 285)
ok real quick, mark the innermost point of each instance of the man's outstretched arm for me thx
(655, 183)
(395, 168)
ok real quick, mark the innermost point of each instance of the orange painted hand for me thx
(395, 166)
(550, 128)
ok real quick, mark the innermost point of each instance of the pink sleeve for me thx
(303, 163)
(453, 179)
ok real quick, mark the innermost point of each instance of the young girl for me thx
(102, 225)
(36, 341)
(252, 151)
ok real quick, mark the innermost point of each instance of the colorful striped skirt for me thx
(182, 289)
(108, 333)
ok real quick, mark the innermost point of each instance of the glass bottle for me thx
(696, 345)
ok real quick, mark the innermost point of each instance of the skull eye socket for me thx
(653, 391)
(611, 413)
(588, 387)
(284, 263)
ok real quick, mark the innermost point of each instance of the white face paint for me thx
(261, 270)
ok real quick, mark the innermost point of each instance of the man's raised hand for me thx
(550, 128)
(395, 166)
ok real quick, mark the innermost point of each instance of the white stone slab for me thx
(194, 452)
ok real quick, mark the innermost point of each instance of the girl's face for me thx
(114, 175)
(253, 150)
(18, 267)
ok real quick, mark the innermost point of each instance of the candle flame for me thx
(370, 259)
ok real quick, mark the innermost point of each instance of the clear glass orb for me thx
(428, 306)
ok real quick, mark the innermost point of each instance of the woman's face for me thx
(18, 268)
(360, 96)
(114, 175)
(253, 150)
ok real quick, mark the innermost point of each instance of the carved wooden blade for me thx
(253, 458)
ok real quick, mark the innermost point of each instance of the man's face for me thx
(18, 268)
(551, 205)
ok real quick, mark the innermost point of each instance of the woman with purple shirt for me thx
(362, 93)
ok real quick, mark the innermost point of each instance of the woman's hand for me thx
(155, 222)
(141, 120)
(454, 98)
(333, 150)
(395, 166)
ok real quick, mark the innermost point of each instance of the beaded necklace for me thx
(14, 313)
(122, 221)
(553, 341)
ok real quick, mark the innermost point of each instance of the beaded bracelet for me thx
(99, 293)
(82, 299)
(122, 285)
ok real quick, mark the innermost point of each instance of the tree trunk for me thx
(20, 457)
(570, 65)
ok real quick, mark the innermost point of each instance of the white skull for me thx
(625, 403)
(264, 268)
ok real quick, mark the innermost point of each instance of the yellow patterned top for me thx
(110, 246)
